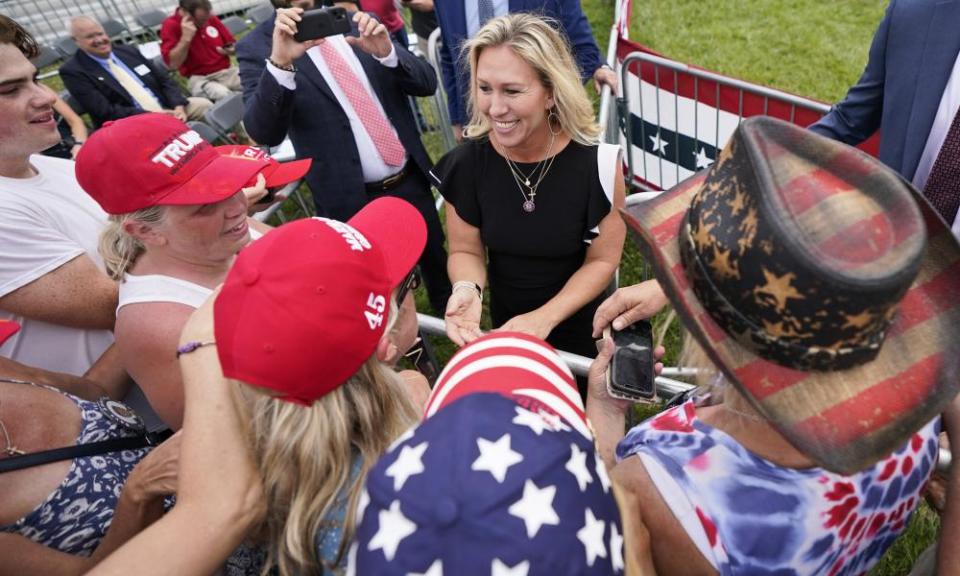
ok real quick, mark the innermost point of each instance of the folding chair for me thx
(261, 13)
(226, 115)
(48, 56)
(204, 130)
(116, 30)
(151, 20)
(235, 24)
(66, 46)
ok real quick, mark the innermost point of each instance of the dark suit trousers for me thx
(415, 189)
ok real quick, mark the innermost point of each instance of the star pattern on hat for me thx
(531, 420)
(435, 569)
(591, 536)
(408, 463)
(496, 457)
(602, 473)
(553, 421)
(616, 547)
(577, 465)
(535, 507)
(394, 527)
(498, 568)
(780, 288)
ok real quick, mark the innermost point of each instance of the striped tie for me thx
(377, 125)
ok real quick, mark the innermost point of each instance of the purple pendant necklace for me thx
(524, 181)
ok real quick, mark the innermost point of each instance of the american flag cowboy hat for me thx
(821, 284)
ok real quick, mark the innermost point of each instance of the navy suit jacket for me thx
(103, 97)
(911, 58)
(316, 123)
(453, 28)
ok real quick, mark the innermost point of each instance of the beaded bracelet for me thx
(191, 346)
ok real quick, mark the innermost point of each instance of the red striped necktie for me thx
(943, 184)
(377, 125)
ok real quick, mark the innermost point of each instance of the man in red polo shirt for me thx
(195, 42)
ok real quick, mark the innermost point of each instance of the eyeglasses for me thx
(411, 282)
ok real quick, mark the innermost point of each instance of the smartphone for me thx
(322, 22)
(630, 376)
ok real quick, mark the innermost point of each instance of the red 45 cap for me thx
(304, 307)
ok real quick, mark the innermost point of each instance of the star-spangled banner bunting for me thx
(688, 113)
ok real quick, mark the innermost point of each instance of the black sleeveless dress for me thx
(531, 254)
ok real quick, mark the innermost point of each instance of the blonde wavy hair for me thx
(305, 455)
(537, 42)
(119, 249)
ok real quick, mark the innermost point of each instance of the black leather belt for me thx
(389, 182)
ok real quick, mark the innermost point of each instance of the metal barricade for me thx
(675, 118)
(440, 96)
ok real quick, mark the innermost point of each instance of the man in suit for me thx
(910, 90)
(343, 102)
(115, 82)
(460, 19)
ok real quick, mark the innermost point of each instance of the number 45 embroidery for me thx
(374, 312)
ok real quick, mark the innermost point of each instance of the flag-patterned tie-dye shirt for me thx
(749, 516)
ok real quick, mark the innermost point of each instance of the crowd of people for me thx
(186, 390)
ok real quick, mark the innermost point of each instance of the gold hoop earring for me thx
(552, 118)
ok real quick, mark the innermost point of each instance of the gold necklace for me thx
(9, 449)
(529, 198)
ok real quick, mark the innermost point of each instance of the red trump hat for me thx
(304, 307)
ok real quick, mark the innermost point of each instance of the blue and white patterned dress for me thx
(75, 517)
(749, 516)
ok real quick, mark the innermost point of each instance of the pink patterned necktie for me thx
(377, 125)
(943, 184)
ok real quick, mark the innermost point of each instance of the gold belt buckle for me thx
(391, 180)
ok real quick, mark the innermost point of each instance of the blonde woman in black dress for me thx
(531, 191)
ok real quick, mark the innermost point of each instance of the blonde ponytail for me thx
(119, 249)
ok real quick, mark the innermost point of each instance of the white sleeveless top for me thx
(160, 288)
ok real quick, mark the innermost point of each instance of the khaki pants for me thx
(197, 107)
(216, 86)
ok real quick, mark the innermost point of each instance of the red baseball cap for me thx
(276, 174)
(518, 366)
(154, 159)
(304, 307)
(7, 329)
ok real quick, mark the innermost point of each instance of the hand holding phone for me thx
(631, 373)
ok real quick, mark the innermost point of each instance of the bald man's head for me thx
(90, 36)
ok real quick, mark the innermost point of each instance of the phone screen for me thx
(631, 371)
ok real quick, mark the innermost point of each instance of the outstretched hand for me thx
(463, 317)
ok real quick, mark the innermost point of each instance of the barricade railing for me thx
(674, 118)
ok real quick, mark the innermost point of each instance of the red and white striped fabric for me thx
(519, 366)
(622, 24)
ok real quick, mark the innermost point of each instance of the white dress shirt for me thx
(372, 164)
(949, 103)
